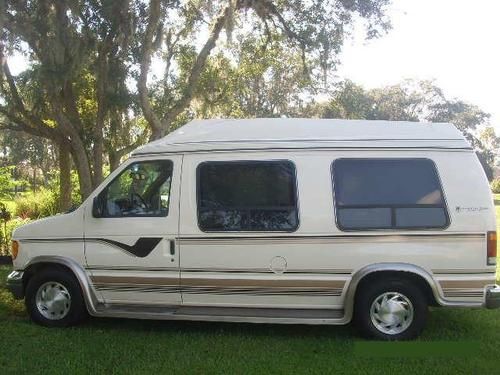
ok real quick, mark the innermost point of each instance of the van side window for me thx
(247, 196)
(388, 194)
(142, 189)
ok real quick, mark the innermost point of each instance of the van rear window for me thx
(388, 194)
(247, 196)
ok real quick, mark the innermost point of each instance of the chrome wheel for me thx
(53, 300)
(391, 313)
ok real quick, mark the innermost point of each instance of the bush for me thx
(6, 234)
(495, 185)
(35, 205)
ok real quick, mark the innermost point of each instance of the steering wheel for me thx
(141, 201)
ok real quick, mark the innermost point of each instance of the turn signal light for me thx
(491, 248)
(15, 249)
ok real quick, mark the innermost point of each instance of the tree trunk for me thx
(64, 178)
(33, 184)
(101, 83)
(82, 165)
(98, 153)
(114, 161)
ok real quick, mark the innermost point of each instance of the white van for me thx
(275, 221)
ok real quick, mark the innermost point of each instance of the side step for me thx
(223, 314)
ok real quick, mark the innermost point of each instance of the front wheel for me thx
(54, 299)
(391, 310)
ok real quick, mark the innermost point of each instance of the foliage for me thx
(5, 216)
(8, 183)
(267, 81)
(45, 201)
(495, 186)
(6, 233)
(90, 91)
(185, 34)
(35, 205)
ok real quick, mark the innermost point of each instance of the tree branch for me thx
(18, 124)
(145, 63)
(196, 71)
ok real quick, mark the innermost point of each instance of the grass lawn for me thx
(456, 341)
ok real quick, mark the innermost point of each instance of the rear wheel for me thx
(54, 299)
(391, 310)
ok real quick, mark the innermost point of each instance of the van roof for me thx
(291, 133)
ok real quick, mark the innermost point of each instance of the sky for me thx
(454, 42)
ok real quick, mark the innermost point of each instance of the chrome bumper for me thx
(15, 284)
(492, 297)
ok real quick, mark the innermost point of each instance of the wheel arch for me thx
(402, 270)
(43, 262)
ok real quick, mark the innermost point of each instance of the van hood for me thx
(69, 225)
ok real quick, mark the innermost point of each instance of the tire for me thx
(390, 310)
(54, 299)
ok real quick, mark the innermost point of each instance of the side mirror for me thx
(97, 207)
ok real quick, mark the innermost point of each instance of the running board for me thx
(223, 314)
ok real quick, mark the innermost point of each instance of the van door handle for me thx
(172, 248)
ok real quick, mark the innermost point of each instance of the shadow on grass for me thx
(497, 202)
(442, 324)
(225, 328)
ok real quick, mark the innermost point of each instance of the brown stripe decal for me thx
(168, 281)
(339, 284)
(466, 284)
(332, 239)
(223, 270)
(219, 286)
(221, 291)
(464, 272)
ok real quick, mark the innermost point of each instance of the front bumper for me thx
(492, 299)
(15, 284)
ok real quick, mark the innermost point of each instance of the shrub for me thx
(35, 205)
(6, 234)
(495, 185)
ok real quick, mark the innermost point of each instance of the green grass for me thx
(456, 341)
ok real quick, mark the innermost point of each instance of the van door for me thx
(244, 240)
(131, 231)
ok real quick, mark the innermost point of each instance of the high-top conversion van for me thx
(273, 221)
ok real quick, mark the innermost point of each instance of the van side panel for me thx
(237, 269)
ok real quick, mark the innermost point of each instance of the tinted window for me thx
(388, 193)
(247, 196)
(142, 189)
